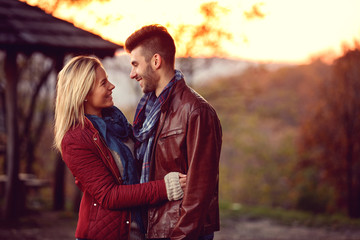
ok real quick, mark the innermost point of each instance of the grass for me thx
(288, 217)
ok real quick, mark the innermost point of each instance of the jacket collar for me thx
(179, 85)
(88, 124)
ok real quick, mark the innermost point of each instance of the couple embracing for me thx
(155, 179)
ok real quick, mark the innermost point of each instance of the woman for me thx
(94, 138)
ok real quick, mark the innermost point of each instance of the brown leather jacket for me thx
(188, 140)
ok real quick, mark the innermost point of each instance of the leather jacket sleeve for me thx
(89, 169)
(203, 143)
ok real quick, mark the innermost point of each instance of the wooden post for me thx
(11, 210)
(59, 180)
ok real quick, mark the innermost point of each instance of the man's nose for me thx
(132, 74)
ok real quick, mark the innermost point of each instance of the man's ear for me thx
(156, 61)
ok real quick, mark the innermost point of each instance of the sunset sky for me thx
(290, 31)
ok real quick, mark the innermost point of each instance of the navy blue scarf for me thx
(115, 129)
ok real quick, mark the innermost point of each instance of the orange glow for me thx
(264, 30)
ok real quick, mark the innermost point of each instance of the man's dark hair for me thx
(153, 39)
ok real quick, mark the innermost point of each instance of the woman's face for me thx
(100, 96)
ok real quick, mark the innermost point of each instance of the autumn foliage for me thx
(330, 138)
(291, 136)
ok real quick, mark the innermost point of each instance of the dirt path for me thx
(60, 226)
(42, 226)
(241, 229)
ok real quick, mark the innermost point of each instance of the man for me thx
(178, 131)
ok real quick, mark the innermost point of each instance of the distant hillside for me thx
(204, 70)
(260, 111)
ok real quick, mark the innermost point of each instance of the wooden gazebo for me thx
(27, 29)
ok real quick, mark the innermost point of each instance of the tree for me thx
(207, 37)
(330, 138)
(34, 93)
(32, 113)
(51, 6)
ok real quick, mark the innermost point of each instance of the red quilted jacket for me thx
(104, 206)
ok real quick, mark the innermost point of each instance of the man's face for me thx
(142, 71)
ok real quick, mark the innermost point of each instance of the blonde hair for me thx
(75, 81)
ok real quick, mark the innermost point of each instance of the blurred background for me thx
(283, 76)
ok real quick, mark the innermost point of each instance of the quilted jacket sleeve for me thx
(85, 163)
(203, 153)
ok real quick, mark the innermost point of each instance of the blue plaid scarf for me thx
(145, 122)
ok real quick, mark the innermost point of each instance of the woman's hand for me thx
(175, 183)
(182, 180)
